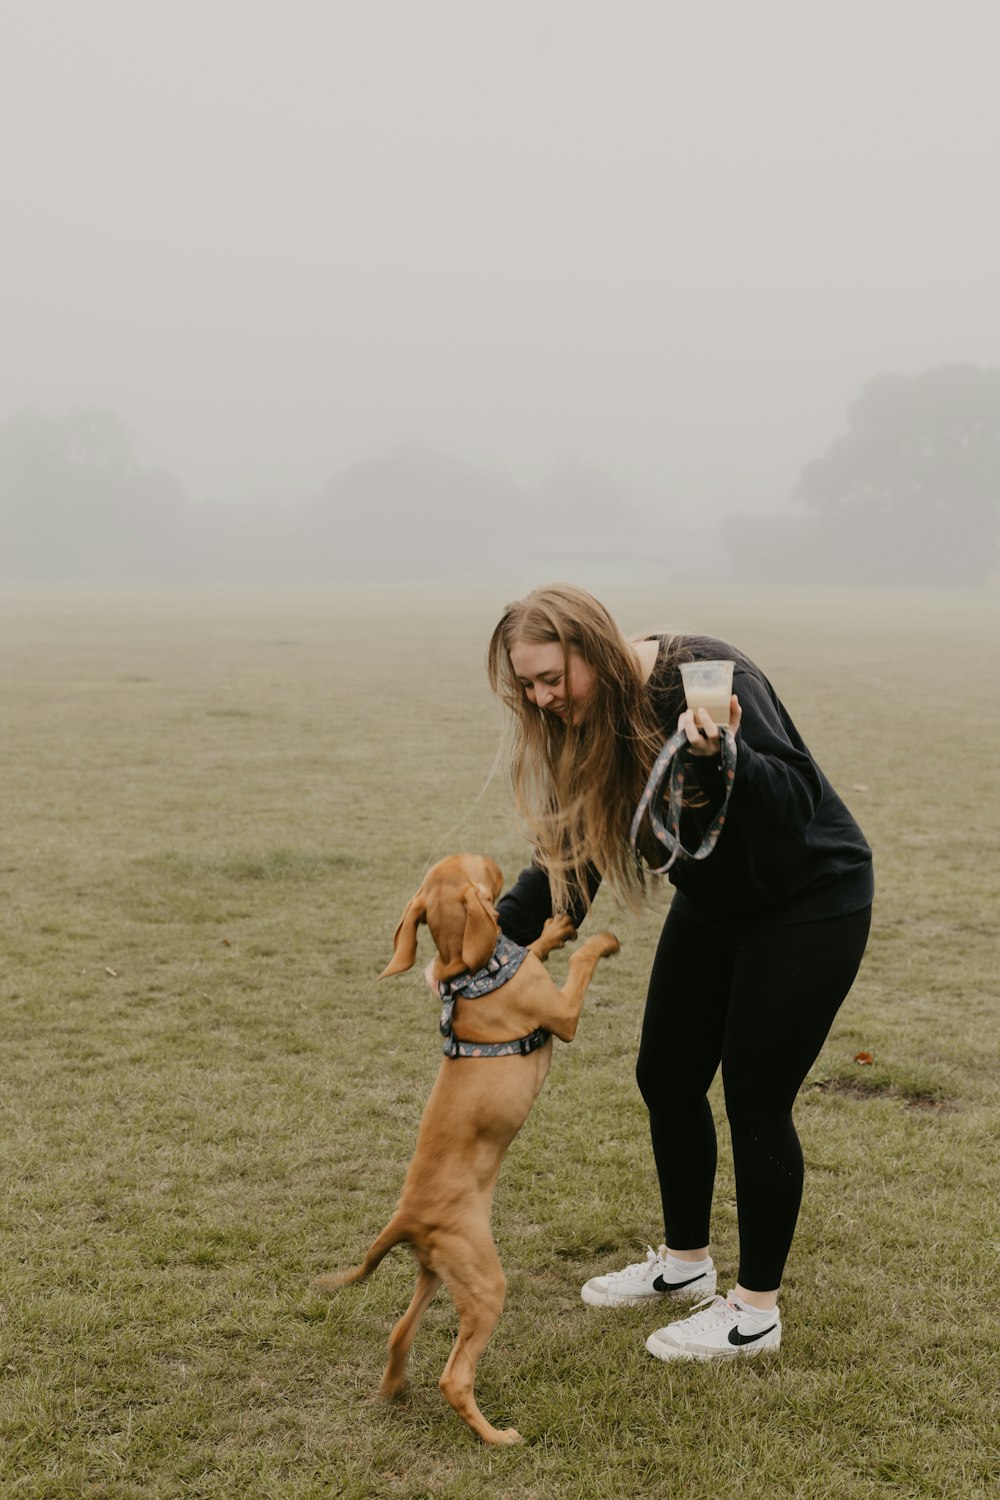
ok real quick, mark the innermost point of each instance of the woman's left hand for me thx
(703, 734)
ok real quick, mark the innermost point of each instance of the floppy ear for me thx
(480, 936)
(404, 942)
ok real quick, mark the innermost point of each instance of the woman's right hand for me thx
(702, 732)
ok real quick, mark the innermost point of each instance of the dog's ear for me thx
(404, 942)
(480, 936)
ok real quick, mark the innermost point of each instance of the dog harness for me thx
(504, 962)
(669, 763)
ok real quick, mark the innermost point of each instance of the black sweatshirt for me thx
(789, 850)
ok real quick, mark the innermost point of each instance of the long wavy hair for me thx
(576, 786)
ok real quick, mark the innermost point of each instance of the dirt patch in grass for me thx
(913, 1098)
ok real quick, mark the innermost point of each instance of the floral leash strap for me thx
(670, 763)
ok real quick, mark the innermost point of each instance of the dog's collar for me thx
(503, 963)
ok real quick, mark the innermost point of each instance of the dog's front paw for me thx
(610, 944)
(508, 1435)
(558, 930)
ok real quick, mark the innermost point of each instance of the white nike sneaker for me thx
(645, 1281)
(717, 1329)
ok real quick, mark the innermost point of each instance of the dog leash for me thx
(504, 962)
(670, 764)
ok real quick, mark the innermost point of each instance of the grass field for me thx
(214, 811)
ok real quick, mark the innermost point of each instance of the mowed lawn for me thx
(214, 810)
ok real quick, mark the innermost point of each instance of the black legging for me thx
(761, 1001)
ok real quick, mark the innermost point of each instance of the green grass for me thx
(214, 811)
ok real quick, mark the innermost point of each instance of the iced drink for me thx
(709, 685)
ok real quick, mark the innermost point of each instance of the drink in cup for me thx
(709, 685)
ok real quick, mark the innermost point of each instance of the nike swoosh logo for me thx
(737, 1338)
(659, 1285)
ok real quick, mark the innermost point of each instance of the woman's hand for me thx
(702, 732)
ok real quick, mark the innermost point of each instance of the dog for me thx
(497, 1057)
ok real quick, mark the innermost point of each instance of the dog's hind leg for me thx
(475, 1279)
(402, 1335)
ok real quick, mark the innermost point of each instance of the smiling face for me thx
(540, 669)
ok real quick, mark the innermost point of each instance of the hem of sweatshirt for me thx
(849, 893)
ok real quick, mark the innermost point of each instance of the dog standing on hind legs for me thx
(501, 1011)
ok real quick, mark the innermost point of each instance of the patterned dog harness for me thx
(504, 962)
(668, 835)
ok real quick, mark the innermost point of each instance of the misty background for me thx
(361, 289)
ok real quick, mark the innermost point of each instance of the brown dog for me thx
(476, 1107)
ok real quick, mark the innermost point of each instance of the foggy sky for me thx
(280, 235)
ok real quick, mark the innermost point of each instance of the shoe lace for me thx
(642, 1269)
(712, 1313)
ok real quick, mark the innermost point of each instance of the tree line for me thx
(909, 492)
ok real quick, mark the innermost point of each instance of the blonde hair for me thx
(577, 785)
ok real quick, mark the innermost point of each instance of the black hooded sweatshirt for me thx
(789, 850)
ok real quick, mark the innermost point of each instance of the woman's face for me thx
(539, 669)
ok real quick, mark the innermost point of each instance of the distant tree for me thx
(417, 512)
(75, 503)
(409, 511)
(909, 493)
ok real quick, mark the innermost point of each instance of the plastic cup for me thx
(709, 685)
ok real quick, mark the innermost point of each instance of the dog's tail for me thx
(394, 1233)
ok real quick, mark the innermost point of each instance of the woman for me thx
(761, 944)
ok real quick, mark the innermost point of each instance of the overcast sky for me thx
(669, 239)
